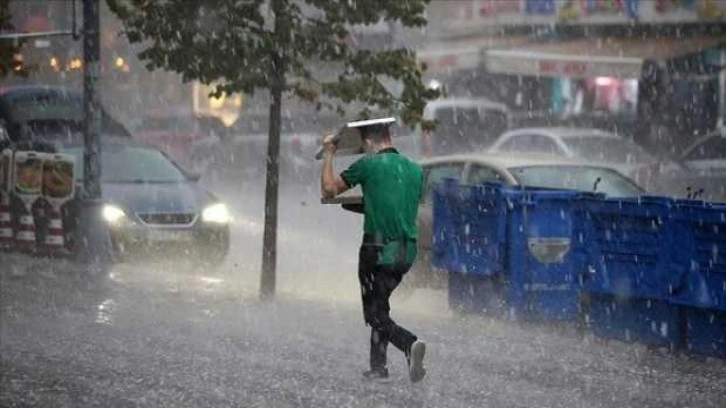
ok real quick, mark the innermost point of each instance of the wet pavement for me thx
(158, 335)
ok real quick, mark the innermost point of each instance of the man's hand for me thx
(329, 144)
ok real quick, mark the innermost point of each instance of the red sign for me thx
(561, 67)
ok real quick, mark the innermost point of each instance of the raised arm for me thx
(330, 183)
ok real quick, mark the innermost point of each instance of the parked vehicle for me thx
(153, 207)
(592, 145)
(463, 125)
(546, 171)
(177, 133)
(38, 112)
(243, 151)
(705, 174)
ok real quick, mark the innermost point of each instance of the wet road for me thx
(163, 335)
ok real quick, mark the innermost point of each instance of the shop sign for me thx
(463, 15)
(523, 62)
(565, 68)
(540, 7)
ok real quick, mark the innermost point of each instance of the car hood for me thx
(182, 197)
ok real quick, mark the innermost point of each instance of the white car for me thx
(705, 175)
(592, 145)
(707, 153)
(464, 125)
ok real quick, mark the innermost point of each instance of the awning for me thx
(462, 55)
(622, 58)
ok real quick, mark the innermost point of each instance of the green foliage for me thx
(8, 48)
(303, 48)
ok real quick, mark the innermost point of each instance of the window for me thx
(544, 144)
(480, 174)
(608, 149)
(435, 174)
(516, 143)
(710, 149)
(530, 143)
(584, 178)
(130, 164)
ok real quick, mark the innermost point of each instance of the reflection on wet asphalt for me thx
(169, 335)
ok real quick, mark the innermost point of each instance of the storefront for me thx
(669, 82)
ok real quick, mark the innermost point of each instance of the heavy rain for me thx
(157, 250)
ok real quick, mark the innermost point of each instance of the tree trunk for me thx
(91, 99)
(269, 240)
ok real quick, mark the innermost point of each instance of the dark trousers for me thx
(377, 282)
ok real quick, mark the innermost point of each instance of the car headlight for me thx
(216, 213)
(113, 214)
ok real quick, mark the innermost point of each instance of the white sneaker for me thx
(416, 368)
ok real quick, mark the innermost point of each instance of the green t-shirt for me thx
(392, 185)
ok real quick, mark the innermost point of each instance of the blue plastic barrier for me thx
(705, 331)
(700, 255)
(469, 235)
(646, 321)
(700, 264)
(529, 270)
(628, 284)
(468, 229)
(629, 245)
(543, 246)
(647, 269)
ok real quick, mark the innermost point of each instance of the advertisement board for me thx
(471, 15)
(58, 177)
(28, 173)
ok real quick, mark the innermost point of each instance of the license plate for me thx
(169, 236)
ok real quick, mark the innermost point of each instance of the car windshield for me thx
(607, 149)
(713, 148)
(582, 178)
(131, 164)
(46, 108)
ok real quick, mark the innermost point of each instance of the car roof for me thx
(109, 141)
(566, 132)
(25, 91)
(505, 161)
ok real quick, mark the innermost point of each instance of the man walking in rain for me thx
(392, 186)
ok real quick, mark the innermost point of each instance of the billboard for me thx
(472, 15)
(58, 177)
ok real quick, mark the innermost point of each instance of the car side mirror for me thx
(194, 177)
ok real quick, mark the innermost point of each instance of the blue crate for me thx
(647, 321)
(543, 247)
(468, 231)
(522, 234)
(699, 255)
(629, 245)
(706, 331)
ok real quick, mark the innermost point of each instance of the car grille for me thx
(167, 218)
